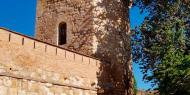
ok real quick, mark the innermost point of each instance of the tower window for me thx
(62, 37)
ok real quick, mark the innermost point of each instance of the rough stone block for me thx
(12, 91)
(7, 82)
(3, 90)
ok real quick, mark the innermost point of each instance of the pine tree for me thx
(165, 56)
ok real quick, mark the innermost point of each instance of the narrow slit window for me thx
(62, 37)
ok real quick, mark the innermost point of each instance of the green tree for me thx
(164, 57)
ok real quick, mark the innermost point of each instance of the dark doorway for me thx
(62, 34)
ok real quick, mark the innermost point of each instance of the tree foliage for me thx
(165, 41)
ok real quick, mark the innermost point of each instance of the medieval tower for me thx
(81, 47)
(98, 28)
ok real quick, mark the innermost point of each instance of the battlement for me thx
(14, 37)
(23, 57)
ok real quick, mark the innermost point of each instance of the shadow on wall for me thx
(113, 37)
(108, 22)
(77, 14)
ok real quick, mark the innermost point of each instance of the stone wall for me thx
(112, 41)
(10, 85)
(77, 14)
(142, 92)
(90, 23)
(32, 67)
(99, 28)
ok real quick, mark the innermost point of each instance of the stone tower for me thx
(99, 28)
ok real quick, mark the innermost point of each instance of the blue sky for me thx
(136, 19)
(19, 16)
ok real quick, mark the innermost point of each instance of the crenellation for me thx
(31, 66)
(78, 50)
(40, 46)
(78, 58)
(16, 39)
(5, 35)
(69, 55)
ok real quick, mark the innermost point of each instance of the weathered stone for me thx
(93, 27)
(14, 83)
(3, 90)
(21, 92)
(56, 76)
(1, 82)
(49, 85)
(7, 82)
(2, 70)
(12, 91)
(63, 94)
(32, 93)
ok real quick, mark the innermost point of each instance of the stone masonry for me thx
(98, 28)
(90, 23)
(92, 62)
(31, 67)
